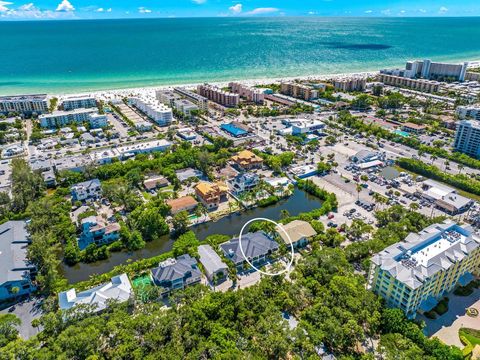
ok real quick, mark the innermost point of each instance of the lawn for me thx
(471, 335)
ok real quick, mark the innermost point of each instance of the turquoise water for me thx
(401, 133)
(69, 56)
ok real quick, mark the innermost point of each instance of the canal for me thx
(297, 203)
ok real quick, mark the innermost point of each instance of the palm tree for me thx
(460, 168)
(359, 189)
(447, 163)
(433, 158)
(413, 206)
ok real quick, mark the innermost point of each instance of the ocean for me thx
(83, 55)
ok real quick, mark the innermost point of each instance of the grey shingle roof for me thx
(177, 270)
(210, 259)
(254, 245)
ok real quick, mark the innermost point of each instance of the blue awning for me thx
(465, 279)
(428, 304)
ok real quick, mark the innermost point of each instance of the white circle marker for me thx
(289, 240)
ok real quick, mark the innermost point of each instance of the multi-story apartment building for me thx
(350, 84)
(298, 91)
(177, 102)
(24, 104)
(415, 84)
(79, 102)
(98, 121)
(468, 112)
(467, 138)
(185, 107)
(248, 93)
(431, 70)
(417, 272)
(167, 97)
(200, 101)
(149, 105)
(62, 118)
(218, 95)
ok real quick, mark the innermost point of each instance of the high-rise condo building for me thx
(247, 92)
(197, 99)
(298, 91)
(467, 138)
(78, 102)
(416, 273)
(218, 95)
(468, 112)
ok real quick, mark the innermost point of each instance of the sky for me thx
(108, 9)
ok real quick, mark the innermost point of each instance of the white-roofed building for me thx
(118, 289)
(154, 109)
(444, 197)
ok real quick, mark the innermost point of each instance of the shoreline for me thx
(109, 94)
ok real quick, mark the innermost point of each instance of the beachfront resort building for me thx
(467, 138)
(247, 160)
(199, 100)
(63, 118)
(119, 289)
(79, 102)
(176, 101)
(423, 85)
(350, 84)
(427, 69)
(175, 274)
(214, 267)
(468, 112)
(218, 95)
(24, 104)
(257, 247)
(298, 91)
(16, 271)
(211, 194)
(248, 93)
(416, 273)
(86, 190)
(155, 110)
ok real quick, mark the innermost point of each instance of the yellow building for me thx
(416, 273)
(211, 194)
(247, 160)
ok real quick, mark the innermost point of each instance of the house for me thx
(247, 160)
(243, 182)
(49, 178)
(256, 246)
(16, 271)
(174, 274)
(414, 128)
(154, 183)
(188, 173)
(211, 194)
(118, 289)
(97, 231)
(185, 203)
(90, 189)
(298, 231)
(215, 268)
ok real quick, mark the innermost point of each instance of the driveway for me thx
(26, 311)
(446, 327)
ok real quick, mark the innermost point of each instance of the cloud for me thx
(199, 2)
(30, 11)
(311, 13)
(386, 12)
(423, 11)
(368, 11)
(3, 6)
(236, 9)
(104, 10)
(259, 11)
(143, 10)
(65, 6)
(442, 10)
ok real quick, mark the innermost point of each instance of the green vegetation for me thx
(470, 338)
(459, 181)
(277, 162)
(467, 289)
(442, 306)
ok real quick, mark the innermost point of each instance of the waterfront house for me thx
(86, 190)
(300, 232)
(118, 289)
(243, 182)
(211, 194)
(15, 269)
(96, 230)
(214, 267)
(247, 160)
(257, 247)
(174, 274)
(185, 203)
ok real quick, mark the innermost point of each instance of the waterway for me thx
(297, 203)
